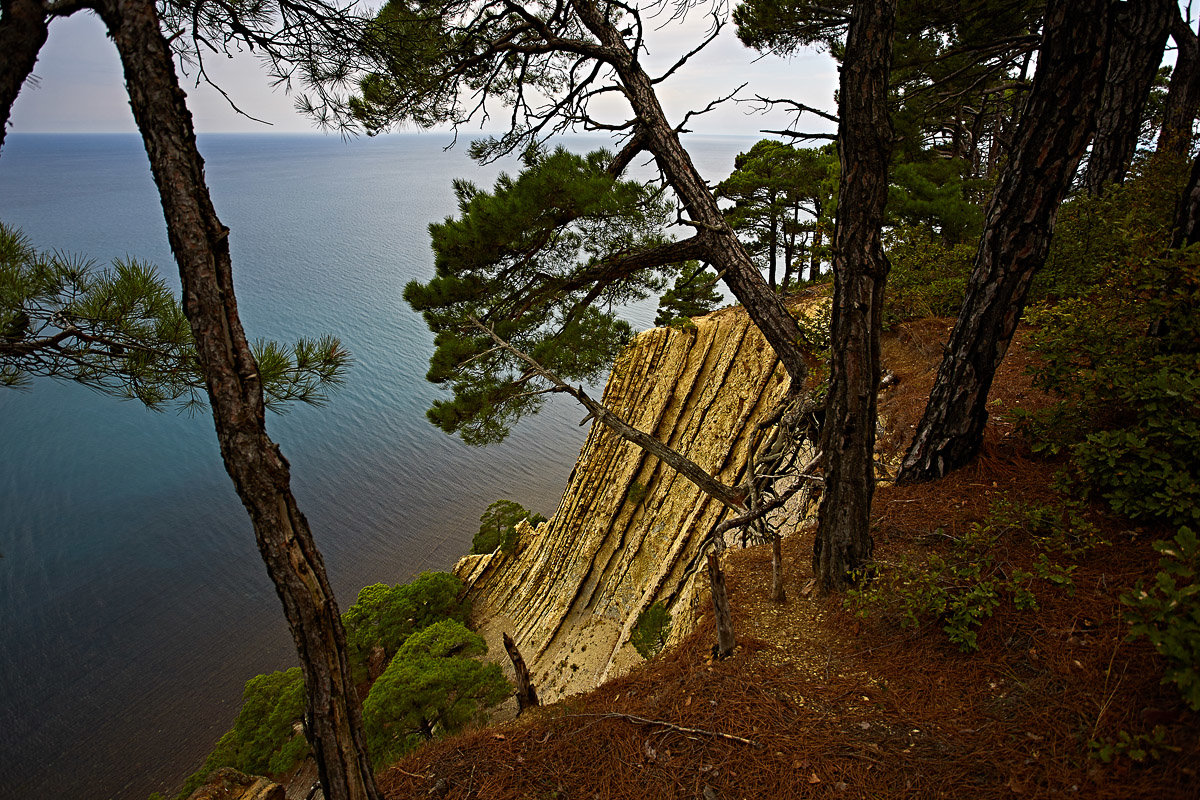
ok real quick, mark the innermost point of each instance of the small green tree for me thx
(498, 526)
(523, 302)
(434, 684)
(120, 330)
(541, 260)
(385, 616)
(694, 294)
(784, 201)
(266, 738)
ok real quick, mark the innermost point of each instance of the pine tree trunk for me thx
(1139, 34)
(720, 597)
(23, 30)
(526, 694)
(843, 542)
(259, 471)
(1183, 92)
(773, 260)
(1187, 217)
(778, 593)
(1053, 133)
(814, 263)
(725, 252)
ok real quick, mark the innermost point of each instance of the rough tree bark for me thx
(1183, 93)
(24, 26)
(526, 694)
(1139, 34)
(1055, 126)
(259, 471)
(1187, 216)
(843, 542)
(726, 641)
(724, 250)
(778, 592)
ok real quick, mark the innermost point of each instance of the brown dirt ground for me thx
(831, 706)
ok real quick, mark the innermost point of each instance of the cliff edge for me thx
(628, 528)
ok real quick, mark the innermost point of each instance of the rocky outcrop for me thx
(229, 784)
(628, 529)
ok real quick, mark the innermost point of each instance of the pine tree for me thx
(119, 330)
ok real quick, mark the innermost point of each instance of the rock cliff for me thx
(628, 528)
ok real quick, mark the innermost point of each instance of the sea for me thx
(133, 602)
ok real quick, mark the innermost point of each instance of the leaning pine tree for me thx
(521, 303)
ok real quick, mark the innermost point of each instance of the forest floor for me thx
(818, 702)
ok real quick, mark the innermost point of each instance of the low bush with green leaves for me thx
(928, 276)
(1167, 613)
(1125, 365)
(433, 685)
(1137, 747)
(651, 631)
(959, 587)
(1118, 341)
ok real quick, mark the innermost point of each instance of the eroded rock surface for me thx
(628, 528)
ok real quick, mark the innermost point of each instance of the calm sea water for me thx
(133, 603)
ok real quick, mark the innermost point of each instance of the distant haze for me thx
(79, 87)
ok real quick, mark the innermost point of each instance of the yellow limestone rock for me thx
(628, 527)
(229, 784)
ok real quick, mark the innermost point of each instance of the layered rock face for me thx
(628, 529)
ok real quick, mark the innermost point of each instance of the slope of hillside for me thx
(818, 702)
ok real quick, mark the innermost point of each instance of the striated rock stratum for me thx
(628, 529)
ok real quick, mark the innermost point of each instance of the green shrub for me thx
(957, 589)
(1137, 747)
(637, 493)
(652, 630)
(1125, 363)
(498, 526)
(433, 685)
(385, 616)
(1118, 342)
(928, 277)
(1168, 613)
(817, 327)
(264, 738)
(1096, 238)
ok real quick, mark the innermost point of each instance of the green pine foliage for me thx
(497, 526)
(931, 192)
(266, 738)
(385, 616)
(785, 199)
(694, 294)
(120, 330)
(433, 686)
(541, 261)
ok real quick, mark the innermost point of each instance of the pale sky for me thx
(79, 86)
